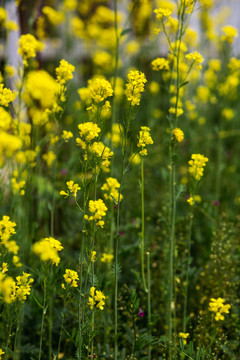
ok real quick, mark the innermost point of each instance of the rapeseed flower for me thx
(135, 86)
(96, 298)
(72, 188)
(47, 249)
(144, 139)
(6, 96)
(106, 258)
(219, 308)
(196, 165)
(184, 336)
(28, 46)
(71, 278)
(160, 64)
(100, 89)
(178, 134)
(162, 13)
(196, 59)
(111, 187)
(229, 33)
(98, 210)
(64, 72)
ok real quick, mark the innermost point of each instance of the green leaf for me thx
(183, 84)
(125, 31)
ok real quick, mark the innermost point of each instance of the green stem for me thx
(50, 325)
(8, 340)
(149, 303)
(143, 229)
(43, 315)
(16, 354)
(187, 273)
(80, 259)
(61, 330)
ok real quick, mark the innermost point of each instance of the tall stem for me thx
(172, 240)
(149, 303)
(187, 273)
(61, 329)
(143, 229)
(43, 314)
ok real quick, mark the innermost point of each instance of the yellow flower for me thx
(64, 71)
(88, 131)
(7, 285)
(66, 135)
(47, 249)
(71, 277)
(184, 336)
(28, 46)
(178, 134)
(6, 96)
(37, 85)
(191, 201)
(112, 186)
(162, 12)
(196, 59)
(1, 353)
(73, 188)
(22, 287)
(218, 307)
(144, 139)
(49, 157)
(135, 86)
(196, 165)
(98, 210)
(160, 64)
(229, 33)
(106, 258)
(93, 256)
(100, 89)
(172, 110)
(54, 17)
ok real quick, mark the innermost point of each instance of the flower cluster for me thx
(98, 209)
(37, 85)
(111, 187)
(6, 96)
(196, 165)
(135, 86)
(54, 17)
(47, 249)
(72, 188)
(184, 336)
(6, 285)
(28, 46)
(219, 308)
(160, 64)
(144, 139)
(67, 135)
(88, 131)
(1, 353)
(229, 33)
(96, 298)
(71, 278)
(100, 89)
(106, 258)
(178, 134)
(196, 59)
(64, 72)
(22, 287)
(11, 290)
(162, 12)
(7, 229)
(103, 153)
